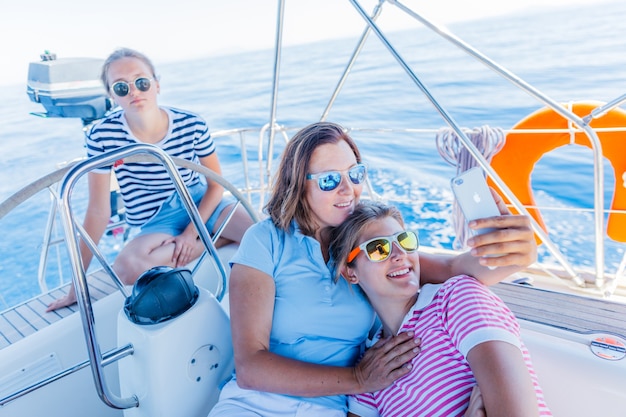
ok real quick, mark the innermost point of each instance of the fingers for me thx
(178, 248)
(398, 352)
(401, 345)
(182, 255)
(182, 252)
(502, 243)
(184, 248)
(509, 228)
(185, 258)
(53, 306)
(499, 202)
(505, 221)
(61, 302)
(506, 254)
(386, 361)
(513, 241)
(476, 407)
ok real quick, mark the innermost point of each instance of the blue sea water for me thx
(575, 53)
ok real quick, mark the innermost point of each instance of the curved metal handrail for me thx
(108, 358)
(78, 273)
(53, 178)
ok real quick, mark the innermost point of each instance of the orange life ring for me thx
(515, 162)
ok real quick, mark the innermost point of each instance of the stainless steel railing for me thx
(74, 233)
(583, 123)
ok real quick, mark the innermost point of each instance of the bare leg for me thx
(236, 227)
(145, 252)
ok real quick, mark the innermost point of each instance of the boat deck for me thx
(24, 319)
(565, 311)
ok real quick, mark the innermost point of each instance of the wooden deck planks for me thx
(572, 312)
(8, 333)
(31, 316)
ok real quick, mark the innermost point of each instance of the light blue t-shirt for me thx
(315, 318)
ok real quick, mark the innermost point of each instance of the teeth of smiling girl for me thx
(343, 204)
(401, 272)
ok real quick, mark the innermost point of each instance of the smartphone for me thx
(473, 196)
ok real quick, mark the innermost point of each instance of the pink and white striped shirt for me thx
(451, 318)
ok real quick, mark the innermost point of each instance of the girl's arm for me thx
(186, 242)
(96, 220)
(514, 240)
(504, 380)
(252, 295)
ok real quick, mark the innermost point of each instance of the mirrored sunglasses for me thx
(122, 88)
(329, 180)
(379, 248)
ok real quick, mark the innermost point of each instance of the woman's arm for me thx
(514, 240)
(504, 380)
(252, 295)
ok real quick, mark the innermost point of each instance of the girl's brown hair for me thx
(288, 201)
(347, 235)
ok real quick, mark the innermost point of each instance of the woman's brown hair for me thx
(288, 201)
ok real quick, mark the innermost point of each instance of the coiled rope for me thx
(488, 141)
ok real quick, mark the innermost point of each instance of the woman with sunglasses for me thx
(166, 235)
(298, 332)
(468, 335)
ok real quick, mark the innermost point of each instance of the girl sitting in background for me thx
(166, 234)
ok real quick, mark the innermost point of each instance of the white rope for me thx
(488, 141)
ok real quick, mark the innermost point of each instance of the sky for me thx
(174, 30)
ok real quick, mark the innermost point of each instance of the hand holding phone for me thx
(473, 196)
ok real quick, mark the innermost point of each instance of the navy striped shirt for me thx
(145, 186)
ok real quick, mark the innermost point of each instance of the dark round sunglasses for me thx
(122, 88)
